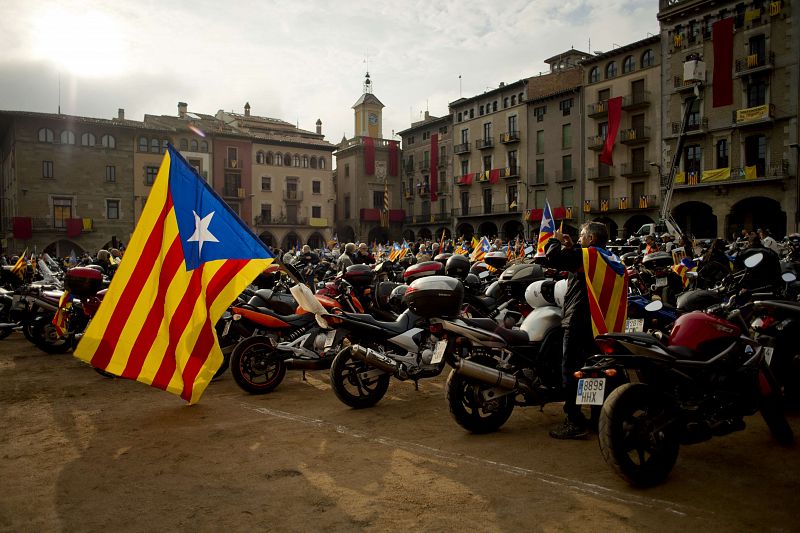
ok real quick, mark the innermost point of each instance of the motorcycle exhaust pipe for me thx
(374, 359)
(490, 376)
(308, 364)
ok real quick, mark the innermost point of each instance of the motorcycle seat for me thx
(514, 337)
(401, 325)
(483, 323)
(289, 319)
(678, 352)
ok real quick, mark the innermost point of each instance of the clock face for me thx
(373, 118)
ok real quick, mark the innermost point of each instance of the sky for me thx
(296, 60)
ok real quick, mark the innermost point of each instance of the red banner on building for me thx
(369, 156)
(22, 227)
(722, 38)
(494, 175)
(434, 170)
(614, 115)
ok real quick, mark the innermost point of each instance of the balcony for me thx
(484, 210)
(597, 109)
(428, 218)
(605, 173)
(408, 194)
(636, 100)
(596, 142)
(409, 167)
(509, 137)
(754, 115)
(232, 164)
(262, 220)
(634, 169)
(758, 173)
(424, 165)
(564, 177)
(423, 190)
(510, 172)
(462, 148)
(230, 191)
(620, 204)
(292, 196)
(754, 63)
(633, 136)
(482, 144)
(695, 127)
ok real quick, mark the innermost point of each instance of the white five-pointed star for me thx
(201, 233)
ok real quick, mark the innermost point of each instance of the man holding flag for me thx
(595, 302)
(546, 230)
(191, 257)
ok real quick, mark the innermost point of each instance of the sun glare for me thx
(84, 44)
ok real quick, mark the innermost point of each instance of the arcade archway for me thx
(634, 223)
(610, 224)
(487, 229)
(754, 213)
(513, 229)
(378, 234)
(696, 219)
(465, 231)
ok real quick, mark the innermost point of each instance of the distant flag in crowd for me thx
(686, 265)
(547, 228)
(156, 323)
(441, 242)
(483, 248)
(395, 253)
(403, 250)
(607, 282)
(19, 266)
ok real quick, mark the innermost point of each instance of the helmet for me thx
(396, 299)
(541, 293)
(97, 267)
(442, 258)
(559, 291)
(457, 266)
(472, 282)
(478, 267)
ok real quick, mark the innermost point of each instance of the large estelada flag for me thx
(547, 228)
(607, 282)
(187, 260)
(481, 250)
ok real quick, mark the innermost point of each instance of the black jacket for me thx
(576, 300)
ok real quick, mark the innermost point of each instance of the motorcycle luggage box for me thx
(83, 282)
(495, 259)
(359, 275)
(657, 260)
(421, 270)
(516, 278)
(435, 296)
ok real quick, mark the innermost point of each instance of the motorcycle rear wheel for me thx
(255, 367)
(44, 336)
(470, 410)
(350, 388)
(638, 434)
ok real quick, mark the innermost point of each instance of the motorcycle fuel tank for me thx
(540, 321)
(702, 332)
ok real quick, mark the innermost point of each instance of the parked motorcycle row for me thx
(691, 366)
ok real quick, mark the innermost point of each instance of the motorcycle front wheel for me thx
(638, 434)
(348, 385)
(45, 337)
(469, 407)
(255, 366)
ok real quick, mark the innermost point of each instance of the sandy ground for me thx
(79, 452)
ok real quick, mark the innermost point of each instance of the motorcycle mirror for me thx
(754, 260)
(654, 306)
(484, 274)
(788, 277)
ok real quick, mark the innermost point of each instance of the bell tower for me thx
(368, 113)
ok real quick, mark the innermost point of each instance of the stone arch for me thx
(267, 238)
(378, 234)
(290, 241)
(447, 233)
(696, 219)
(610, 224)
(424, 234)
(487, 229)
(512, 229)
(465, 231)
(347, 235)
(634, 223)
(316, 241)
(408, 235)
(63, 248)
(756, 212)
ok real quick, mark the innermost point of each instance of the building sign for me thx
(754, 113)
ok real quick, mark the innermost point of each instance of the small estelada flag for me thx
(607, 282)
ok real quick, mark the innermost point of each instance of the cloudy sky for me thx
(297, 60)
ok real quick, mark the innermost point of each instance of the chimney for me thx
(182, 109)
(319, 127)
(247, 109)
(121, 114)
(427, 115)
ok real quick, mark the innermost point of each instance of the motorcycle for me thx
(701, 383)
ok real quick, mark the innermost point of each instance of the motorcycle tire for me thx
(255, 367)
(468, 407)
(772, 410)
(226, 362)
(44, 336)
(350, 388)
(5, 332)
(628, 440)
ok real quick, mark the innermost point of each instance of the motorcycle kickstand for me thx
(416, 385)
(304, 376)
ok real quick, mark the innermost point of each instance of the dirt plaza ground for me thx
(79, 452)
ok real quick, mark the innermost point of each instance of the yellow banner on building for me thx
(87, 224)
(680, 177)
(717, 174)
(318, 222)
(750, 173)
(753, 113)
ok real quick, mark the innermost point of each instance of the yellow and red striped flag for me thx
(61, 319)
(20, 265)
(190, 257)
(607, 282)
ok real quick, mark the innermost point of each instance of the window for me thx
(757, 47)
(266, 213)
(464, 203)
(539, 113)
(142, 143)
(232, 184)
(566, 136)
(194, 145)
(233, 153)
(604, 193)
(512, 124)
(155, 146)
(539, 198)
(511, 197)
(567, 196)
(347, 171)
(755, 153)
(565, 106)
(296, 160)
(346, 206)
(411, 139)
(270, 158)
(459, 116)
(603, 95)
(47, 169)
(494, 106)
(722, 153)
(62, 210)
(108, 141)
(260, 157)
(611, 70)
(204, 147)
(305, 161)
(594, 75)
(67, 137)
(150, 175)
(287, 160)
(637, 91)
(316, 187)
(266, 183)
(278, 159)
(602, 129)
(648, 58)
(539, 172)
(184, 144)
(487, 163)
(480, 111)
(637, 160)
(322, 163)
(87, 139)
(377, 199)
(442, 153)
(513, 99)
(472, 113)
(694, 116)
(692, 157)
(505, 102)
(756, 92)
(112, 209)
(316, 211)
(443, 206)
(487, 201)
(540, 142)
(512, 160)
(519, 98)
(566, 167)
(111, 173)
(637, 191)
(46, 135)
(464, 167)
(628, 65)
(164, 145)
(464, 136)
(487, 131)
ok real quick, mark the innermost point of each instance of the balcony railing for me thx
(605, 173)
(233, 192)
(423, 190)
(597, 109)
(754, 62)
(233, 163)
(636, 135)
(776, 170)
(635, 100)
(509, 137)
(697, 126)
(461, 148)
(280, 221)
(479, 210)
(621, 203)
(424, 164)
(595, 142)
(486, 142)
(409, 167)
(509, 172)
(634, 169)
(292, 196)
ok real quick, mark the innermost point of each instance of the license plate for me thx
(329, 338)
(227, 328)
(661, 282)
(591, 391)
(768, 351)
(438, 352)
(634, 325)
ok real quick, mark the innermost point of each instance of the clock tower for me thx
(368, 113)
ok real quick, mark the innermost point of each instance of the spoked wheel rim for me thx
(643, 435)
(258, 366)
(474, 403)
(352, 382)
